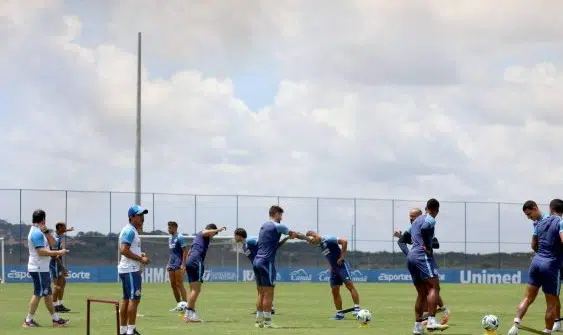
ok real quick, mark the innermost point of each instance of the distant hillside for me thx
(93, 248)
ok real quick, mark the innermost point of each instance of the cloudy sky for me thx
(459, 100)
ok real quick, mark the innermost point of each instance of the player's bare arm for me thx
(185, 254)
(397, 233)
(344, 243)
(282, 242)
(299, 236)
(213, 232)
(50, 239)
(125, 250)
(51, 253)
(535, 242)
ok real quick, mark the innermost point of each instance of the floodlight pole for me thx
(138, 144)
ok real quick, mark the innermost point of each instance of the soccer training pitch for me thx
(300, 309)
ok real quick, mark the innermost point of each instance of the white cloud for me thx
(376, 99)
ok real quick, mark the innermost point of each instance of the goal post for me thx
(223, 251)
(3, 260)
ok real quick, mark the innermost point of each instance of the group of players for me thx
(45, 264)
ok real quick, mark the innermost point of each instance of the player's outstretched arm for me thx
(38, 241)
(213, 232)
(283, 240)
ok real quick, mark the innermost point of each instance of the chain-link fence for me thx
(472, 235)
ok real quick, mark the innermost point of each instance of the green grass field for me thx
(302, 309)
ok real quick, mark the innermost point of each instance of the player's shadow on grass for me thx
(291, 327)
(219, 321)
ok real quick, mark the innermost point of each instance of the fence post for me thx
(355, 236)
(153, 214)
(465, 234)
(393, 229)
(237, 245)
(498, 230)
(195, 214)
(66, 219)
(21, 228)
(110, 212)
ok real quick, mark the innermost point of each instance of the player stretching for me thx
(250, 248)
(195, 268)
(263, 265)
(423, 269)
(57, 269)
(39, 240)
(178, 247)
(406, 238)
(339, 269)
(544, 267)
(556, 208)
(129, 269)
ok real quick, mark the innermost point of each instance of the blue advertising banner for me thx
(105, 274)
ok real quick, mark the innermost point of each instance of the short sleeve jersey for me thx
(199, 247)
(422, 233)
(547, 231)
(176, 243)
(250, 248)
(129, 236)
(37, 240)
(58, 241)
(268, 240)
(330, 249)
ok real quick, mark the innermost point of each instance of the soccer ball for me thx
(182, 306)
(490, 322)
(364, 316)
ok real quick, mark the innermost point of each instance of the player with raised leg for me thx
(250, 248)
(129, 269)
(178, 248)
(405, 238)
(339, 269)
(423, 269)
(547, 239)
(195, 267)
(39, 241)
(57, 269)
(264, 263)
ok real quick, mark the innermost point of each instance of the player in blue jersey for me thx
(556, 208)
(195, 267)
(264, 263)
(547, 239)
(178, 248)
(405, 238)
(129, 269)
(57, 269)
(39, 241)
(339, 269)
(250, 248)
(423, 269)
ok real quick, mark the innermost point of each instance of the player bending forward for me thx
(423, 269)
(195, 267)
(547, 239)
(250, 248)
(178, 247)
(264, 267)
(129, 269)
(339, 269)
(39, 240)
(57, 269)
(405, 238)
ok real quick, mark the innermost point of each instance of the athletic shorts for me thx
(265, 272)
(421, 267)
(340, 274)
(545, 275)
(195, 270)
(174, 266)
(56, 271)
(132, 284)
(41, 284)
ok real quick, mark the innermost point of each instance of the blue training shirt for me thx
(176, 243)
(58, 241)
(268, 240)
(199, 247)
(547, 231)
(422, 233)
(331, 250)
(250, 247)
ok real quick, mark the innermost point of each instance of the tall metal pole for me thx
(138, 146)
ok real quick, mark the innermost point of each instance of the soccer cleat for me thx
(259, 323)
(445, 316)
(194, 317)
(435, 326)
(514, 330)
(418, 330)
(60, 322)
(557, 327)
(356, 311)
(30, 324)
(338, 316)
(61, 309)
